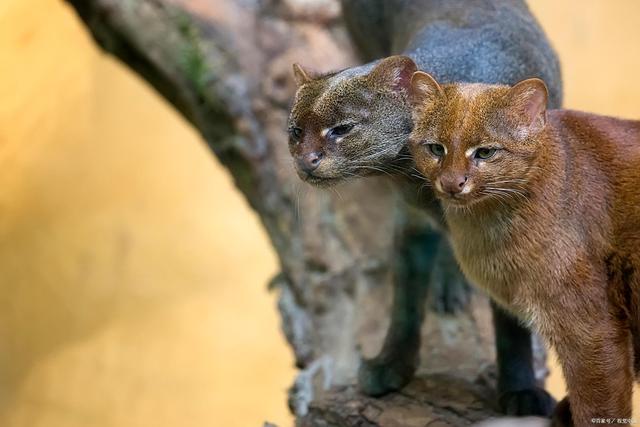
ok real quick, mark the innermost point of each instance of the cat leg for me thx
(562, 414)
(597, 366)
(635, 330)
(634, 321)
(398, 360)
(623, 293)
(449, 291)
(518, 392)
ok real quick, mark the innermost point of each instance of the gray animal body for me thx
(481, 41)
(488, 41)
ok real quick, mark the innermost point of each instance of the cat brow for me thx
(470, 151)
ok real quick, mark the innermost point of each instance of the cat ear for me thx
(424, 91)
(300, 75)
(394, 73)
(527, 103)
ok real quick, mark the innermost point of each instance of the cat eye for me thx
(485, 153)
(338, 131)
(437, 150)
(295, 133)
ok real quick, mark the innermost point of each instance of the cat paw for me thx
(449, 295)
(562, 414)
(382, 375)
(534, 401)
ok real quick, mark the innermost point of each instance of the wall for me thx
(133, 275)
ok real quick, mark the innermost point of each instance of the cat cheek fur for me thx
(427, 165)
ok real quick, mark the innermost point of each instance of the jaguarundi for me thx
(543, 210)
(356, 122)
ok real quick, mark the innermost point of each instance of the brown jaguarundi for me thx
(543, 210)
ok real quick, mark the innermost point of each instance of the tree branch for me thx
(225, 66)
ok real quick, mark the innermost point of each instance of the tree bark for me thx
(226, 66)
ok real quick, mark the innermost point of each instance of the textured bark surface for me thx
(434, 400)
(226, 66)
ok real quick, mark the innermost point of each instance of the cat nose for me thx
(453, 184)
(310, 161)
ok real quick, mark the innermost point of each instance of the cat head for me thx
(350, 123)
(476, 142)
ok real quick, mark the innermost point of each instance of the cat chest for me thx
(504, 272)
(489, 274)
(523, 274)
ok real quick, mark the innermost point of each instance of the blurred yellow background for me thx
(132, 274)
